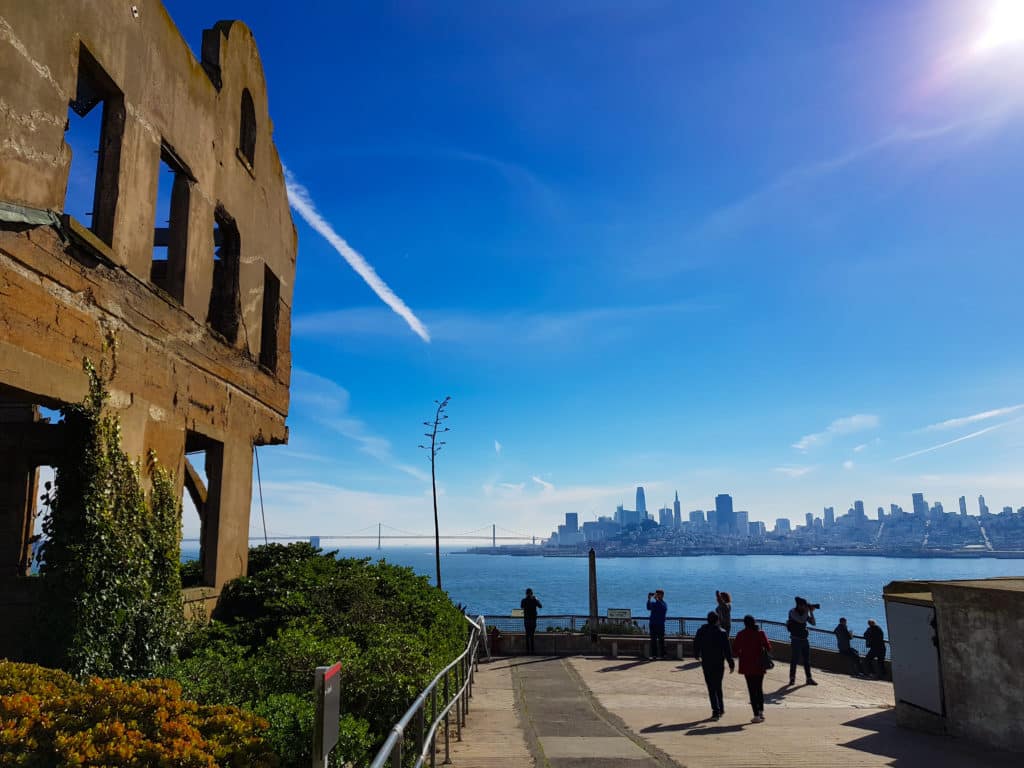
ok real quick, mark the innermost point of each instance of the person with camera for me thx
(711, 649)
(530, 604)
(723, 608)
(658, 609)
(800, 616)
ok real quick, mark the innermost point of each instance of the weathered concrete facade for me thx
(200, 308)
(967, 650)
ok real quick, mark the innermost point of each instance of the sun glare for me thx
(1005, 26)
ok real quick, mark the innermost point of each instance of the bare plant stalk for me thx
(435, 448)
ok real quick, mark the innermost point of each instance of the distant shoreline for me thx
(892, 555)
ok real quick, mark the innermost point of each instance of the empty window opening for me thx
(225, 301)
(29, 441)
(204, 459)
(170, 233)
(271, 316)
(93, 134)
(247, 129)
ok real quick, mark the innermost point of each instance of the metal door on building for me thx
(916, 674)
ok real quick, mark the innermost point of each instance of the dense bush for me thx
(300, 608)
(49, 720)
(111, 584)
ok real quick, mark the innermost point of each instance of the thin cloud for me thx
(543, 483)
(971, 436)
(848, 464)
(497, 447)
(329, 403)
(963, 421)
(740, 214)
(845, 426)
(300, 200)
(794, 472)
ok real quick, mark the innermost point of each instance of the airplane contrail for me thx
(302, 203)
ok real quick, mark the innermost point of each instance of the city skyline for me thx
(680, 252)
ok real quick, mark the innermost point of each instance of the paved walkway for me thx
(586, 712)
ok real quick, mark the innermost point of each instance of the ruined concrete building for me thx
(140, 194)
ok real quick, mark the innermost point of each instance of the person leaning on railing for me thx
(530, 604)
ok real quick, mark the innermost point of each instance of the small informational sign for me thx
(327, 692)
(620, 613)
(517, 613)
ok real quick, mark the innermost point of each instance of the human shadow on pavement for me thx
(774, 697)
(519, 661)
(909, 749)
(624, 667)
(660, 728)
(715, 730)
(689, 665)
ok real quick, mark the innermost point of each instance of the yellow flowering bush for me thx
(50, 720)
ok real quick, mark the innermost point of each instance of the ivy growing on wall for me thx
(111, 585)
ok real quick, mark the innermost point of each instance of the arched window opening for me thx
(247, 129)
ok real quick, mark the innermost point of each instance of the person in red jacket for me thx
(749, 647)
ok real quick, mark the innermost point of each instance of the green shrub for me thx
(49, 720)
(300, 608)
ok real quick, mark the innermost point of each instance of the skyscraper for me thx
(677, 510)
(881, 513)
(665, 517)
(743, 523)
(830, 517)
(810, 520)
(858, 508)
(920, 505)
(963, 505)
(982, 506)
(572, 522)
(725, 518)
(782, 525)
(641, 502)
(697, 516)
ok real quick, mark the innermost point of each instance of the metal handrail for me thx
(463, 667)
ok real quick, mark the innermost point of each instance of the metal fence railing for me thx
(675, 626)
(447, 696)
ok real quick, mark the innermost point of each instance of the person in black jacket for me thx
(711, 648)
(843, 636)
(530, 604)
(874, 639)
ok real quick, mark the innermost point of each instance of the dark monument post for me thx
(593, 595)
(327, 692)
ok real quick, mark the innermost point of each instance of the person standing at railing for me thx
(874, 639)
(724, 611)
(799, 644)
(711, 648)
(659, 609)
(753, 648)
(530, 604)
(843, 636)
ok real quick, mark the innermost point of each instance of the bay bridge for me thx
(384, 532)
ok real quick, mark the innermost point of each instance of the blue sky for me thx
(764, 249)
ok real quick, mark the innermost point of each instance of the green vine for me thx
(111, 586)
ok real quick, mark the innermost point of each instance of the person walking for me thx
(711, 649)
(724, 611)
(530, 604)
(658, 609)
(843, 636)
(751, 645)
(800, 647)
(874, 639)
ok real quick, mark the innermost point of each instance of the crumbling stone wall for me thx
(202, 336)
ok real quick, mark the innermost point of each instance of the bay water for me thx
(763, 585)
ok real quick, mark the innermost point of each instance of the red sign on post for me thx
(327, 693)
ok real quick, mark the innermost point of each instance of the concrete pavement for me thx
(588, 712)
